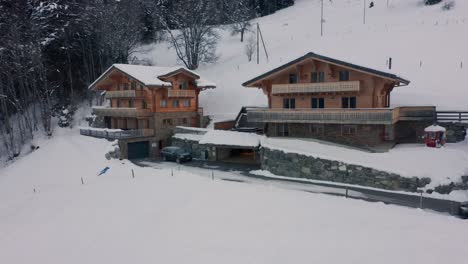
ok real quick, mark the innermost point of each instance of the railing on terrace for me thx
(330, 116)
(121, 112)
(116, 134)
(452, 116)
(181, 93)
(321, 87)
(124, 94)
(384, 116)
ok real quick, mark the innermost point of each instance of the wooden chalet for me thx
(144, 104)
(320, 97)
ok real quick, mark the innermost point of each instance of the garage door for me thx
(138, 150)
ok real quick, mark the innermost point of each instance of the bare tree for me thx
(191, 29)
(250, 48)
(240, 14)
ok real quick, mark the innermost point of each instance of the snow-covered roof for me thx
(434, 128)
(152, 75)
(192, 137)
(231, 138)
(202, 83)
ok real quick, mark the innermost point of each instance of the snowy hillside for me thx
(427, 45)
(188, 218)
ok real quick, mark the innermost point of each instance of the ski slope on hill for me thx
(427, 45)
(189, 218)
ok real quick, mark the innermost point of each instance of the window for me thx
(163, 103)
(130, 103)
(142, 87)
(183, 85)
(144, 105)
(133, 85)
(118, 103)
(125, 86)
(167, 122)
(175, 103)
(318, 77)
(187, 103)
(318, 102)
(183, 121)
(316, 129)
(289, 103)
(348, 130)
(283, 130)
(292, 78)
(348, 102)
(344, 75)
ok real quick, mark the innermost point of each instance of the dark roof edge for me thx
(335, 61)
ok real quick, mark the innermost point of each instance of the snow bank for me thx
(434, 128)
(442, 165)
(185, 218)
(231, 138)
(191, 137)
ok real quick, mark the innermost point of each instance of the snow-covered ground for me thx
(427, 46)
(186, 218)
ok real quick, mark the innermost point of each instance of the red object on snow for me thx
(435, 136)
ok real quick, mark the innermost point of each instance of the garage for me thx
(232, 146)
(138, 150)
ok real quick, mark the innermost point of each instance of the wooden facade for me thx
(335, 96)
(157, 102)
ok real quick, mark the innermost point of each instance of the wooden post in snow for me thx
(321, 20)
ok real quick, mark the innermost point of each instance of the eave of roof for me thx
(312, 55)
(172, 73)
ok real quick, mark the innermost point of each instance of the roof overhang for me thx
(256, 82)
(179, 71)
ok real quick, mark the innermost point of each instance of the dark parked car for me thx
(464, 210)
(176, 154)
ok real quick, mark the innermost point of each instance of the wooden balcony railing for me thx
(121, 134)
(121, 112)
(371, 116)
(322, 87)
(124, 94)
(181, 93)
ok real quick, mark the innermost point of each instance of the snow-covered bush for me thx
(448, 5)
(432, 2)
(64, 114)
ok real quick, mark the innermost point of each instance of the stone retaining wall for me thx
(301, 166)
(198, 151)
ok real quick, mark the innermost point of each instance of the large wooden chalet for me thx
(320, 97)
(144, 104)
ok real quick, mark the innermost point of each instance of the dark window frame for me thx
(317, 102)
(344, 76)
(293, 78)
(289, 103)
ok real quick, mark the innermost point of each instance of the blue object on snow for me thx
(103, 171)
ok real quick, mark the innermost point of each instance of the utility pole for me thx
(321, 19)
(364, 16)
(258, 46)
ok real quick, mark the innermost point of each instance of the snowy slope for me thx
(406, 31)
(156, 218)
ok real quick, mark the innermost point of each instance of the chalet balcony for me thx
(181, 93)
(124, 94)
(362, 116)
(116, 134)
(121, 112)
(321, 87)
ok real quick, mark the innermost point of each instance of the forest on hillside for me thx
(51, 50)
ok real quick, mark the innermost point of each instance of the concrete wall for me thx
(301, 166)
